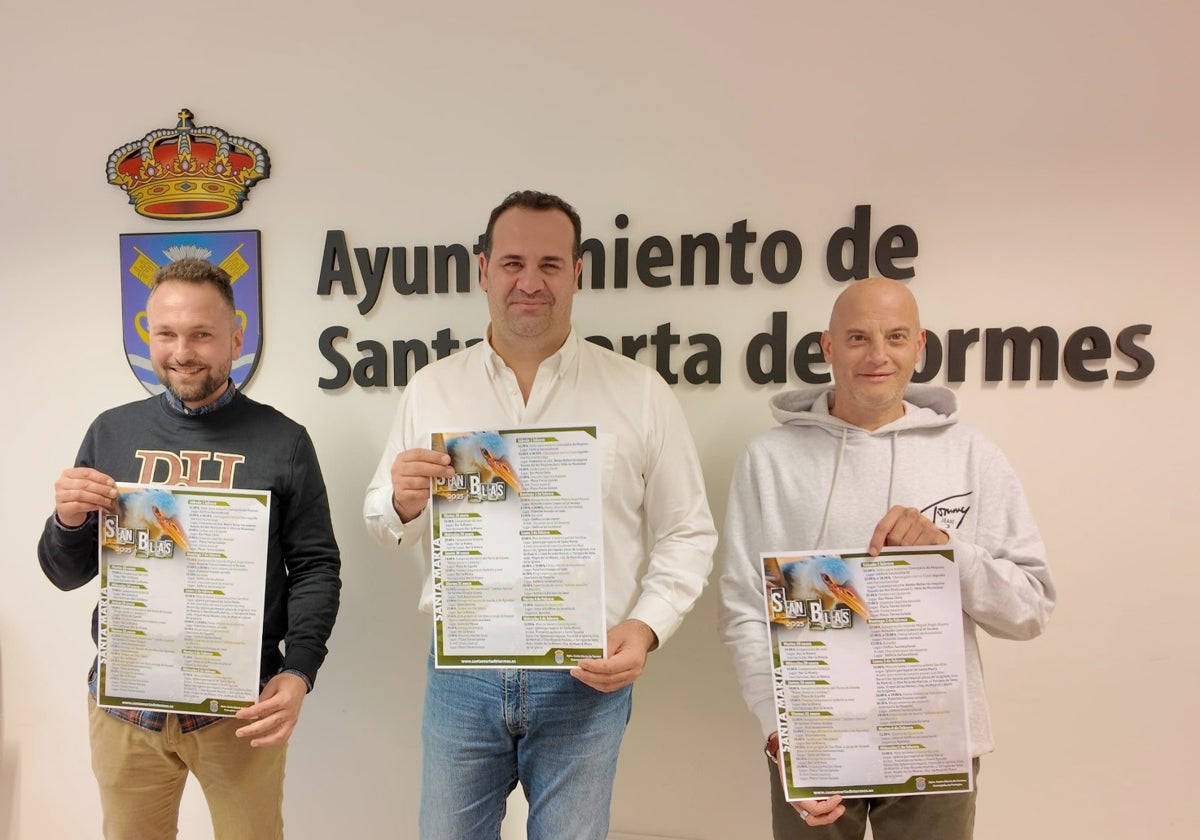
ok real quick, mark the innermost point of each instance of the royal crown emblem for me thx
(188, 172)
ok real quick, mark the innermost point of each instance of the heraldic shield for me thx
(143, 254)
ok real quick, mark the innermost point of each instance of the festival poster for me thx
(869, 672)
(518, 549)
(182, 580)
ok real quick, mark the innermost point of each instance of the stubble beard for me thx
(197, 392)
(530, 324)
(871, 399)
(882, 401)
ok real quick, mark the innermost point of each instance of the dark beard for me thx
(197, 393)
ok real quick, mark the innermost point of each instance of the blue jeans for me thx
(485, 730)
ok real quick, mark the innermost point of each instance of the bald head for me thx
(873, 344)
(878, 294)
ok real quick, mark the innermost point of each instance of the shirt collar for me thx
(552, 366)
(216, 405)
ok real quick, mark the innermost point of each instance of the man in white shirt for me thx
(556, 732)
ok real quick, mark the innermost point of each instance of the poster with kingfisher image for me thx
(869, 672)
(518, 549)
(182, 580)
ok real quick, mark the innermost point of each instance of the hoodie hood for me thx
(925, 407)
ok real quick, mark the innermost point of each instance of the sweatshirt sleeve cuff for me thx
(73, 529)
(766, 713)
(304, 663)
(297, 672)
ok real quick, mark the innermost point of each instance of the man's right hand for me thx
(79, 491)
(411, 472)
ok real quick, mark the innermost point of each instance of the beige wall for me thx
(1044, 153)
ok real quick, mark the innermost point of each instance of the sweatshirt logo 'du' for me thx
(949, 513)
(188, 468)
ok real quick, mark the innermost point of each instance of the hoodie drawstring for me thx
(892, 476)
(837, 468)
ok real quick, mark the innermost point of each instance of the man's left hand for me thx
(628, 644)
(276, 713)
(905, 526)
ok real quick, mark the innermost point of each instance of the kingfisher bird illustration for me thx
(826, 578)
(485, 453)
(153, 510)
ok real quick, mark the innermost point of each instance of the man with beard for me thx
(203, 432)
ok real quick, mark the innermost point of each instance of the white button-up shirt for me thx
(658, 533)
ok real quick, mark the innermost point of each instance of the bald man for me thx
(879, 462)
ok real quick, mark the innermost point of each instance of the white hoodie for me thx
(819, 482)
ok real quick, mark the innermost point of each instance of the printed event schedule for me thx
(182, 579)
(518, 549)
(868, 667)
